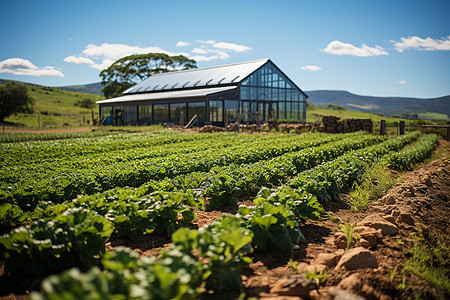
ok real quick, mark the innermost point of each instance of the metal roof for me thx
(167, 95)
(195, 78)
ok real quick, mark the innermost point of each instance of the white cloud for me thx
(79, 60)
(207, 42)
(401, 82)
(340, 48)
(182, 44)
(231, 46)
(102, 56)
(199, 51)
(311, 68)
(427, 44)
(20, 66)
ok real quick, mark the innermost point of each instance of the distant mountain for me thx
(92, 88)
(433, 108)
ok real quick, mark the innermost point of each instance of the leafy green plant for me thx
(392, 273)
(317, 277)
(348, 229)
(406, 159)
(273, 226)
(293, 265)
(175, 275)
(221, 247)
(73, 238)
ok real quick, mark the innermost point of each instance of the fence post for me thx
(402, 127)
(383, 127)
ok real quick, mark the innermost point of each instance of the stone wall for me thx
(331, 124)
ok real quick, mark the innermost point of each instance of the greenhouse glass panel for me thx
(145, 114)
(216, 111)
(161, 112)
(232, 110)
(197, 108)
(178, 113)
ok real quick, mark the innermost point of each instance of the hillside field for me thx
(55, 108)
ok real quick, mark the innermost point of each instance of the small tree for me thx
(14, 99)
(133, 69)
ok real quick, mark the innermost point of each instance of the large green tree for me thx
(14, 99)
(133, 69)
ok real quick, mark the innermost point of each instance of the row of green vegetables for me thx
(16, 137)
(116, 145)
(57, 182)
(223, 185)
(52, 149)
(129, 207)
(273, 223)
(413, 155)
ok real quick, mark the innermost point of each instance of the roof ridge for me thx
(207, 68)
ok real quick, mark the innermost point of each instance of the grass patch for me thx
(57, 108)
(374, 183)
(431, 261)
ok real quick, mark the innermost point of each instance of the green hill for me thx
(412, 108)
(56, 108)
(93, 88)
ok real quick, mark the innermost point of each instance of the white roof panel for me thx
(194, 78)
(167, 95)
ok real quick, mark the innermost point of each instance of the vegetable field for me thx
(63, 197)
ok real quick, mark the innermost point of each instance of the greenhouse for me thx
(249, 92)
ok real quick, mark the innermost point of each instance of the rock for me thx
(327, 259)
(350, 283)
(357, 258)
(364, 243)
(339, 253)
(372, 235)
(406, 218)
(293, 285)
(427, 180)
(389, 218)
(368, 291)
(395, 213)
(340, 294)
(385, 297)
(318, 268)
(377, 222)
(314, 294)
(389, 199)
(340, 240)
(408, 194)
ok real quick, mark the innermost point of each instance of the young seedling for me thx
(348, 229)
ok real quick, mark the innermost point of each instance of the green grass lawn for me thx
(56, 108)
(433, 116)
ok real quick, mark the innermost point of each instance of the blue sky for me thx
(378, 48)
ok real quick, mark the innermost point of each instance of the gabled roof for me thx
(197, 78)
(193, 93)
